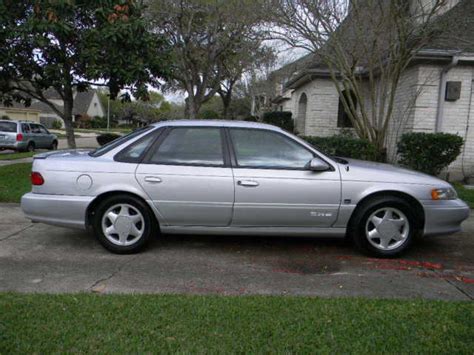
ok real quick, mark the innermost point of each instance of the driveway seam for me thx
(114, 273)
(460, 289)
(16, 233)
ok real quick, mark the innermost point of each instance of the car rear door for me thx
(188, 177)
(273, 187)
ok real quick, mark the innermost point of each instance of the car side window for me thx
(191, 146)
(258, 148)
(135, 151)
(35, 128)
(25, 128)
(43, 130)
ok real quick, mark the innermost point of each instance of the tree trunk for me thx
(191, 108)
(68, 105)
(226, 100)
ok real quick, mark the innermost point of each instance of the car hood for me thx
(360, 170)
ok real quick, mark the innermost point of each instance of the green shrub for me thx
(99, 122)
(57, 124)
(281, 119)
(208, 115)
(106, 138)
(251, 119)
(429, 152)
(5, 118)
(344, 146)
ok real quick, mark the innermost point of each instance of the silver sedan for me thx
(218, 177)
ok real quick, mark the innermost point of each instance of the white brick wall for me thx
(415, 110)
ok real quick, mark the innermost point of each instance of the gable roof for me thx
(455, 35)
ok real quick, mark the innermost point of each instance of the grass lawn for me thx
(14, 182)
(465, 194)
(217, 324)
(14, 156)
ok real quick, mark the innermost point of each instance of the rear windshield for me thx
(7, 126)
(115, 143)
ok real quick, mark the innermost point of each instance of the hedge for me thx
(429, 152)
(344, 146)
(281, 119)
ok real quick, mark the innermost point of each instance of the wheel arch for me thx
(101, 197)
(418, 208)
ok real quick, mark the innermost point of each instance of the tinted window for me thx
(43, 130)
(7, 127)
(25, 128)
(35, 128)
(191, 146)
(116, 142)
(135, 151)
(266, 149)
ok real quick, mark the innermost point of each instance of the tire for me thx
(384, 226)
(30, 147)
(54, 145)
(137, 228)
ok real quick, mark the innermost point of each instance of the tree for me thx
(154, 108)
(67, 45)
(251, 57)
(363, 45)
(205, 35)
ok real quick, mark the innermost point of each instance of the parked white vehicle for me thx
(227, 177)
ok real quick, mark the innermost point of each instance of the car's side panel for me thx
(189, 195)
(285, 198)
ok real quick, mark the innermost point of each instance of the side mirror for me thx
(317, 164)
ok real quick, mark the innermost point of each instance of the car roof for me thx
(216, 123)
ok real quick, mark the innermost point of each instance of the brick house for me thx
(435, 93)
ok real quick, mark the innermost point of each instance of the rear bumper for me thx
(13, 145)
(59, 210)
(444, 217)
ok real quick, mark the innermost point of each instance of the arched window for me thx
(343, 120)
(301, 117)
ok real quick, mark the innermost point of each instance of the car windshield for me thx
(116, 142)
(7, 126)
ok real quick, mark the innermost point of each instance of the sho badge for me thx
(320, 214)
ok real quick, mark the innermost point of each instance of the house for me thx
(86, 105)
(437, 88)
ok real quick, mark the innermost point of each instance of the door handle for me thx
(152, 179)
(249, 183)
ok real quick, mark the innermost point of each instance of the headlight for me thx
(444, 194)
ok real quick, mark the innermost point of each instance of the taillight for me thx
(36, 178)
(19, 137)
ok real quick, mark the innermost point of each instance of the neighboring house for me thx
(86, 106)
(437, 88)
(19, 112)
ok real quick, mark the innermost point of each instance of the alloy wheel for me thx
(387, 228)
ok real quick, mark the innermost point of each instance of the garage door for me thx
(23, 115)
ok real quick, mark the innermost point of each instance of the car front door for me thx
(188, 177)
(273, 186)
(37, 135)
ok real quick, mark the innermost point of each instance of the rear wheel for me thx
(30, 147)
(384, 226)
(123, 224)
(54, 146)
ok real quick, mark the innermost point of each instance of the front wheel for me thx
(123, 224)
(384, 226)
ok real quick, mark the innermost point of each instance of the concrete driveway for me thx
(41, 258)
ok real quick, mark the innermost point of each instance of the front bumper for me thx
(444, 217)
(59, 210)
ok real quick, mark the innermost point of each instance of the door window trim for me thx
(119, 156)
(234, 159)
(156, 145)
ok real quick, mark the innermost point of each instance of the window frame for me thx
(118, 157)
(156, 145)
(234, 160)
